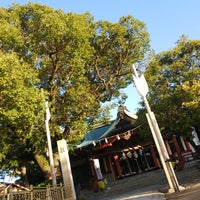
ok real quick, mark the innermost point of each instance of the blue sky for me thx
(166, 21)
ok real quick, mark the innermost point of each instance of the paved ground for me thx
(147, 193)
(190, 193)
(151, 186)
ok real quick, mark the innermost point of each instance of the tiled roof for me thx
(124, 121)
(97, 133)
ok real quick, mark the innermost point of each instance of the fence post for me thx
(48, 192)
(10, 194)
(31, 192)
(61, 190)
(4, 193)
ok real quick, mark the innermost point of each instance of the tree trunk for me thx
(44, 166)
(24, 176)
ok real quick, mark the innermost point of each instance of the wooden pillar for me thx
(92, 167)
(153, 154)
(181, 161)
(111, 167)
(187, 144)
(176, 146)
(183, 143)
(118, 167)
(105, 165)
(192, 148)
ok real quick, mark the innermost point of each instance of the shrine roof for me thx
(123, 122)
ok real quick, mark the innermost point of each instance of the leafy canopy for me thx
(77, 62)
(173, 79)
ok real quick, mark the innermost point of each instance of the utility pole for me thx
(142, 89)
(50, 153)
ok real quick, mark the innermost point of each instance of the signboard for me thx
(66, 166)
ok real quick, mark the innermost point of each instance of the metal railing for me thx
(47, 193)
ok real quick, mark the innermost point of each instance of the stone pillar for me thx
(66, 166)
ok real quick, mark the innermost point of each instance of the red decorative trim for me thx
(110, 141)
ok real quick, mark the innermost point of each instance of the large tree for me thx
(21, 112)
(78, 63)
(173, 79)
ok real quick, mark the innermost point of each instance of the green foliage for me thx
(173, 79)
(144, 129)
(192, 90)
(104, 114)
(117, 46)
(78, 63)
(20, 107)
